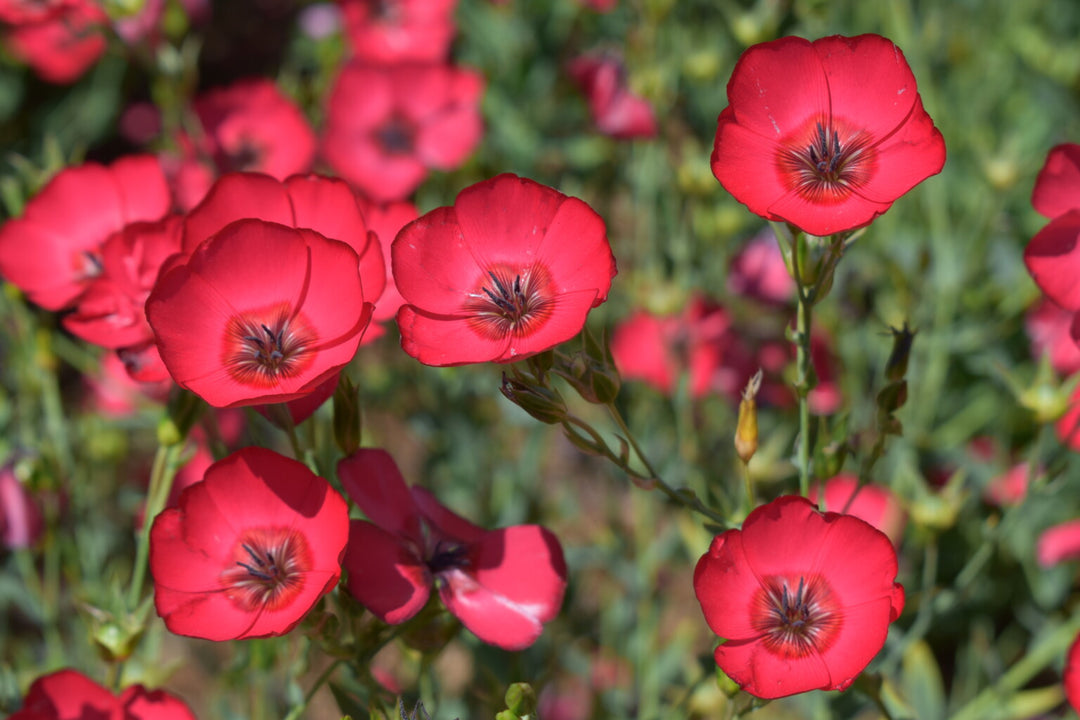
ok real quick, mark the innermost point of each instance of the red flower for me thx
(802, 599)
(758, 272)
(387, 126)
(395, 31)
(111, 312)
(70, 695)
(249, 550)
(1053, 259)
(252, 126)
(1050, 328)
(1071, 678)
(615, 109)
(874, 504)
(825, 135)
(1057, 189)
(1068, 426)
(510, 270)
(503, 585)
(1059, 544)
(260, 313)
(61, 42)
(52, 251)
(386, 221)
(1009, 488)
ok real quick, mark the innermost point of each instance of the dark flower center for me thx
(796, 619)
(262, 348)
(268, 569)
(827, 166)
(246, 156)
(447, 556)
(513, 303)
(396, 136)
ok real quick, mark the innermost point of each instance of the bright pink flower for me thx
(658, 350)
(874, 504)
(1057, 189)
(616, 110)
(70, 695)
(1053, 259)
(825, 135)
(386, 127)
(386, 221)
(1071, 677)
(1051, 331)
(21, 523)
(111, 311)
(249, 550)
(260, 313)
(758, 272)
(802, 600)
(61, 43)
(53, 250)
(399, 31)
(1059, 544)
(511, 270)
(503, 585)
(252, 126)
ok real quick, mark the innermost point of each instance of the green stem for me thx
(804, 370)
(161, 477)
(324, 676)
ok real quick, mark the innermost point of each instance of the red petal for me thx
(860, 636)
(142, 704)
(433, 266)
(726, 588)
(441, 340)
(447, 523)
(1057, 189)
(1059, 544)
(385, 576)
(236, 196)
(785, 537)
(506, 220)
(1053, 259)
(915, 152)
(372, 479)
(66, 694)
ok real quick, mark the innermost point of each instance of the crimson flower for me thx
(758, 272)
(53, 250)
(801, 599)
(511, 270)
(1058, 544)
(1050, 328)
(616, 110)
(1057, 188)
(503, 585)
(874, 504)
(1010, 488)
(260, 313)
(386, 127)
(1071, 677)
(825, 135)
(249, 550)
(386, 221)
(399, 31)
(70, 695)
(60, 41)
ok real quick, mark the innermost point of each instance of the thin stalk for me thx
(804, 370)
(161, 477)
(324, 676)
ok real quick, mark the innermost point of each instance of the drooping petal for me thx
(373, 481)
(385, 575)
(446, 523)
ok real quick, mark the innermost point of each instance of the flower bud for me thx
(746, 431)
(521, 699)
(543, 403)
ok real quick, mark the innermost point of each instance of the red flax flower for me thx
(70, 695)
(801, 599)
(825, 135)
(249, 550)
(616, 110)
(511, 270)
(399, 31)
(260, 313)
(1053, 255)
(503, 585)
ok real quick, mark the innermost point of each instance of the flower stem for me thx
(804, 369)
(324, 676)
(161, 477)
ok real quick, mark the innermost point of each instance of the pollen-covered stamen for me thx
(826, 168)
(795, 620)
(511, 307)
(268, 568)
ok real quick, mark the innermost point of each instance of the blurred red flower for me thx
(70, 695)
(875, 504)
(21, 523)
(758, 272)
(53, 250)
(1057, 188)
(802, 599)
(825, 135)
(60, 40)
(1053, 259)
(1059, 543)
(511, 270)
(249, 550)
(615, 109)
(386, 221)
(1050, 328)
(1071, 676)
(503, 585)
(260, 313)
(1009, 488)
(386, 127)
(1068, 426)
(399, 31)
(111, 312)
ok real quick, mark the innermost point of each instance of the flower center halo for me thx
(511, 302)
(796, 618)
(826, 163)
(263, 347)
(268, 568)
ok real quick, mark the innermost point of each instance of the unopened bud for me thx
(521, 699)
(746, 431)
(543, 403)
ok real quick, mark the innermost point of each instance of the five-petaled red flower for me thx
(801, 599)
(249, 550)
(511, 270)
(503, 585)
(825, 135)
(70, 695)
